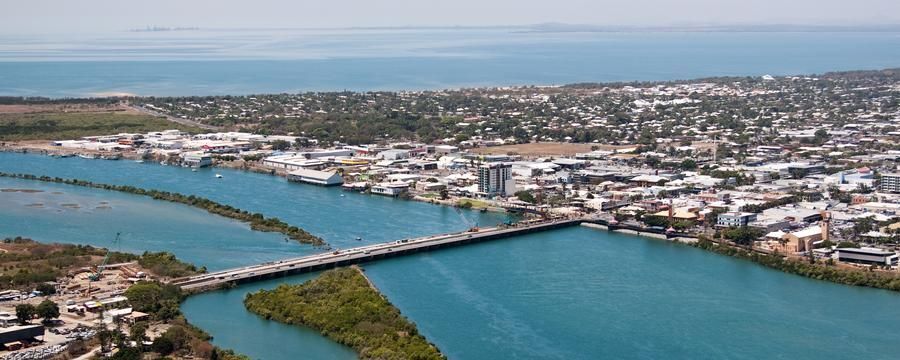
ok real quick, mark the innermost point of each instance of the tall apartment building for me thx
(496, 179)
(890, 182)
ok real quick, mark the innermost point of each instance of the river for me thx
(575, 293)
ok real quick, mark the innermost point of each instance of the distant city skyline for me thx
(59, 16)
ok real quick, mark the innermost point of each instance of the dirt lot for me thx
(545, 149)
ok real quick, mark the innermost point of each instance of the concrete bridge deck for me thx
(360, 254)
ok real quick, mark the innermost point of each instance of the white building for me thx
(867, 256)
(890, 182)
(196, 159)
(316, 177)
(390, 189)
(496, 179)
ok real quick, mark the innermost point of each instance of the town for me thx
(803, 167)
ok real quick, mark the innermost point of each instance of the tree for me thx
(47, 310)
(160, 300)
(24, 313)
(138, 331)
(162, 345)
(444, 194)
(280, 145)
(525, 196)
(742, 235)
(46, 289)
(847, 244)
(653, 220)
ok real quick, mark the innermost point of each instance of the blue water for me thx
(244, 62)
(222, 314)
(575, 293)
(337, 216)
(146, 225)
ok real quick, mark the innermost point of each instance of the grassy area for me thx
(342, 305)
(58, 126)
(472, 204)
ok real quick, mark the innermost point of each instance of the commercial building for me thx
(324, 178)
(867, 256)
(496, 179)
(390, 189)
(7, 319)
(196, 159)
(12, 337)
(735, 219)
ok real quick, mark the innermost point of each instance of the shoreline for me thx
(330, 305)
(19, 147)
(256, 221)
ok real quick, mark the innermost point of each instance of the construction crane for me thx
(473, 227)
(99, 269)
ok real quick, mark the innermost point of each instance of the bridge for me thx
(218, 279)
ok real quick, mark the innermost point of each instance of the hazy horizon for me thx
(60, 16)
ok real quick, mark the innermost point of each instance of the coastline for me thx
(256, 221)
(330, 304)
(33, 147)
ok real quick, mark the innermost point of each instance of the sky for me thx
(73, 16)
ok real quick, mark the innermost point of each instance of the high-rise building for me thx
(890, 182)
(496, 179)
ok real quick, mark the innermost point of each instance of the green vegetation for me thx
(771, 204)
(742, 235)
(471, 204)
(257, 221)
(46, 126)
(525, 196)
(814, 270)
(27, 264)
(342, 305)
(24, 313)
(47, 310)
(181, 340)
(154, 298)
(167, 265)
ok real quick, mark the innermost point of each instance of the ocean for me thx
(236, 62)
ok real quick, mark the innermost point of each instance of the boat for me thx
(358, 238)
(139, 161)
(86, 156)
(193, 170)
(219, 176)
(342, 195)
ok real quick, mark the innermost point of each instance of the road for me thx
(359, 254)
(181, 121)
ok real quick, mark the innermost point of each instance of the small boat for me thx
(139, 161)
(163, 163)
(193, 170)
(342, 195)
(358, 238)
(219, 176)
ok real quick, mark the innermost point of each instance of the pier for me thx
(218, 279)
